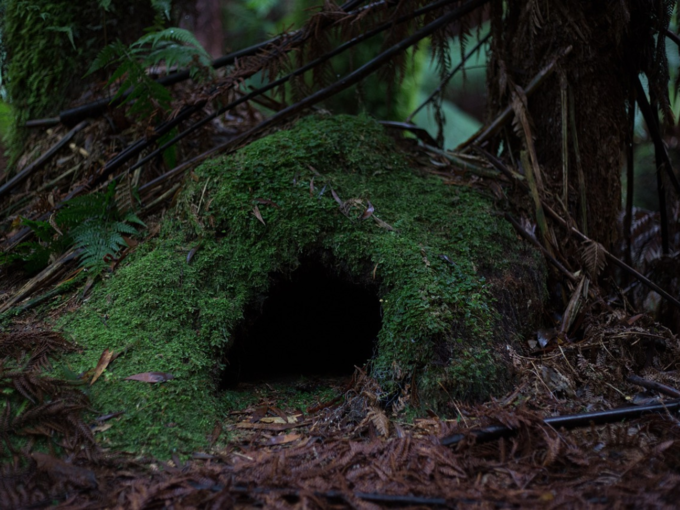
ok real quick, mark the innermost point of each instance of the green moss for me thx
(50, 44)
(439, 320)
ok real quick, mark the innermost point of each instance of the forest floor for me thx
(341, 448)
(335, 448)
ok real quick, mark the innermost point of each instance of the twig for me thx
(625, 267)
(487, 132)
(446, 80)
(23, 174)
(535, 242)
(653, 385)
(96, 108)
(41, 279)
(630, 178)
(468, 167)
(366, 496)
(567, 422)
(345, 82)
(284, 79)
(579, 164)
(564, 103)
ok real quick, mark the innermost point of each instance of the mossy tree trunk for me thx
(50, 45)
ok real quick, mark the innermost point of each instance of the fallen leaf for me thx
(259, 413)
(150, 377)
(278, 412)
(216, 432)
(54, 224)
(273, 419)
(276, 427)
(104, 361)
(266, 201)
(256, 212)
(380, 421)
(368, 212)
(102, 428)
(109, 416)
(283, 439)
(384, 225)
(191, 253)
(337, 198)
(634, 318)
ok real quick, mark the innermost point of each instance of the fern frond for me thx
(107, 56)
(593, 255)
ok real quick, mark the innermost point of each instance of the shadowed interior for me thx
(312, 323)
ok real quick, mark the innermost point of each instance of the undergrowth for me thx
(173, 306)
(92, 224)
(49, 45)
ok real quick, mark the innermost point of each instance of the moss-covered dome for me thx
(422, 247)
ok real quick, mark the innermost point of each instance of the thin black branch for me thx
(323, 58)
(526, 235)
(96, 108)
(653, 385)
(567, 422)
(655, 133)
(345, 82)
(625, 267)
(26, 172)
(446, 80)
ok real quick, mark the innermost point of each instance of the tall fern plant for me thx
(96, 226)
(91, 223)
(174, 47)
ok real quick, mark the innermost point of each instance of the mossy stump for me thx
(454, 284)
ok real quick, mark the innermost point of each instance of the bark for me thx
(598, 79)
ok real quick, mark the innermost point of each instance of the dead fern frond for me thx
(380, 421)
(36, 345)
(594, 257)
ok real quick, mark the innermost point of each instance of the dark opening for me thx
(313, 323)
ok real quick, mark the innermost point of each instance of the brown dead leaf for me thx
(383, 224)
(258, 215)
(275, 427)
(380, 421)
(151, 377)
(337, 198)
(282, 439)
(216, 432)
(102, 428)
(266, 201)
(634, 318)
(273, 419)
(368, 212)
(103, 362)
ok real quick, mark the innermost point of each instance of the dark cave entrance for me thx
(315, 322)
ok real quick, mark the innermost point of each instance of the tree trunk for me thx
(595, 76)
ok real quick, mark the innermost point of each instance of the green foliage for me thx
(436, 310)
(35, 255)
(96, 226)
(50, 43)
(91, 223)
(174, 47)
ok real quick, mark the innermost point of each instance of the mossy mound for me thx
(425, 255)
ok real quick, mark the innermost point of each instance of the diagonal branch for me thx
(345, 82)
